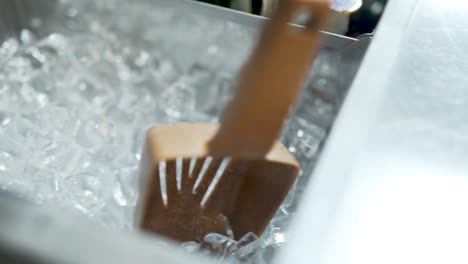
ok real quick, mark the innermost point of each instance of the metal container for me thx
(38, 233)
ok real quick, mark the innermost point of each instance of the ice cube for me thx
(290, 200)
(276, 233)
(219, 245)
(246, 239)
(18, 69)
(93, 134)
(204, 81)
(164, 70)
(248, 247)
(8, 162)
(89, 190)
(8, 48)
(325, 88)
(326, 63)
(87, 49)
(6, 118)
(178, 99)
(27, 37)
(191, 246)
(135, 64)
(127, 185)
(118, 195)
(46, 185)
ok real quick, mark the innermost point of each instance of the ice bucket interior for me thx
(80, 83)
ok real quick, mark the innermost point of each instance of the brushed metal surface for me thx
(391, 185)
(39, 234)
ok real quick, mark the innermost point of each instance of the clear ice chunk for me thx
(219, 245)
(164, 70)
(8, 48)
(191, 246)
(27, 37)
(178, 99)
(248, 247)
(18, 69)
(89, 191)
(203, 79)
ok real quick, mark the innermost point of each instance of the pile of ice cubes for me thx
(75, 106)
